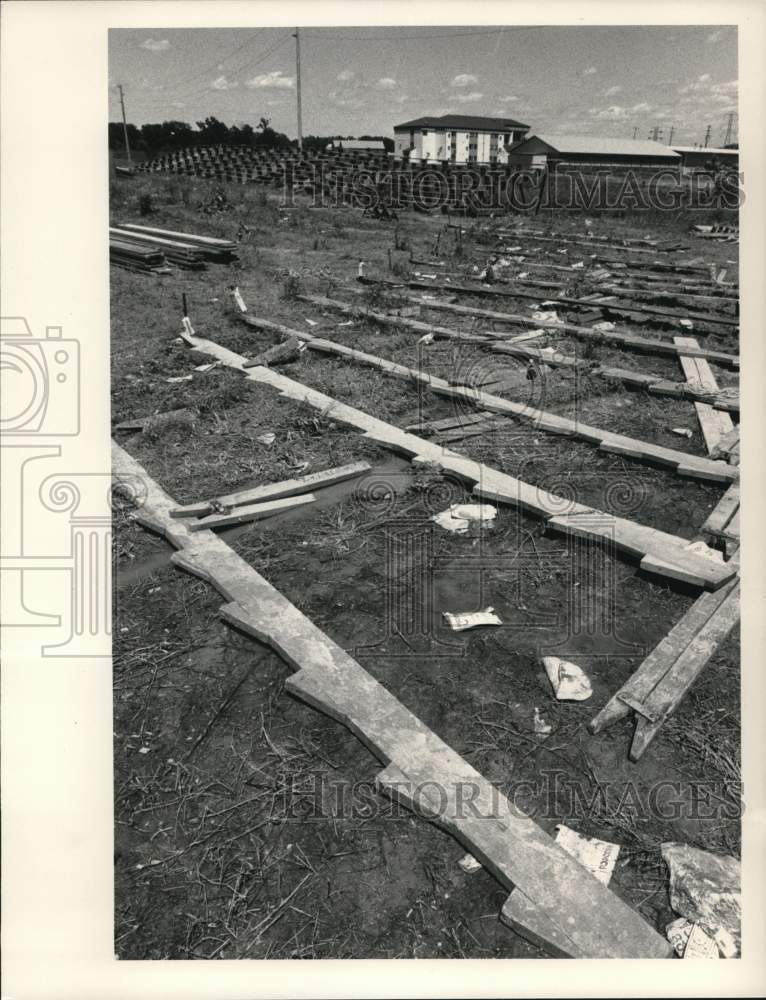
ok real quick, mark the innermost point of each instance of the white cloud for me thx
(386, 83)
(270, 81)
(613, 113)
(345, 75)
(155, 44)
(221, 83)
(589, 71)
(402, 98)
(464, 80)
(510, 99)
(611, 91)
(714, 36)
(643, 106)
(467, 98)
(704, 78)
(346, 100)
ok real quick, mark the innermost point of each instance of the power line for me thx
(150, 105)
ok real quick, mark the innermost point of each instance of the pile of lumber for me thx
(136, 256)
(184, 249)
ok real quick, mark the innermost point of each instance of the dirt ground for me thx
(246, 823)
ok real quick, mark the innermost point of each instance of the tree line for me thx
(166, 136)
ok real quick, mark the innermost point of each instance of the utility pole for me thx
(297, 37)
(672, 131)
(729, 128)
(635, 130)
(707, 136)
(124, 124)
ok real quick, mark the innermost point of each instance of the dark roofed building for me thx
(547, 149)
(458, 138)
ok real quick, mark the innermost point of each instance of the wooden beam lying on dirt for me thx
(594, 244)
(681, 462)
(719, 520)
(274, 491)
(715, 425)
(250, 512)
(655, 690)
(655, 384)
(658, 551)
(626, 340)
(591, 920)
(726, 445)
(493, 291)
(507, 289)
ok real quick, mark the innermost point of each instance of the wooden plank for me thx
(667, 695)
(642, 682)
(714, 423)
(275, 491)
(250, 512)
(682, 462)
(642, 344)
(725, 444)
(495, 483)
(590, 918)
(722, 513)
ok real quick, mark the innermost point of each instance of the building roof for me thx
(358, 143)
(706, 149)
(578, 144)
(471, 123)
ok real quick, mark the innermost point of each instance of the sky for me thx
(599, 81)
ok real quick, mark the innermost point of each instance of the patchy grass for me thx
(246, 822)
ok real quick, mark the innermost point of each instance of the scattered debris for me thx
(207, 368)
(604, 325)
(180, 378)
(598, 856)
(470, 619)
(530, 335)
(682, 432)
(267, 439)
(705, 888)
(569, 682)
(280, 354)
(541, 727)
(690, 941)
(459, 517)
(469, 864)
(426, 339)
(546, 316)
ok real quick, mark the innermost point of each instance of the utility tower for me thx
(297, 37)
(707, 136)
(672, 131)
(124, 124)
(729, 128)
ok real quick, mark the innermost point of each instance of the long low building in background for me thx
(457, 139)
(546, 150)
(706, 158)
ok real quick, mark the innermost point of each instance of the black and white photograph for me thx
(373, 585)
(425, 408)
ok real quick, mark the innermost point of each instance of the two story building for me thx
(457, 139)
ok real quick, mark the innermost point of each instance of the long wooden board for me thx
(715, 424)
(638, 540)
(275, 491)
(681, 462)
(590, 919)
(643, 345)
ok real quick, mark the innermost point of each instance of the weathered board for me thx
(590, 919)
(715, 424)
(626, 535)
